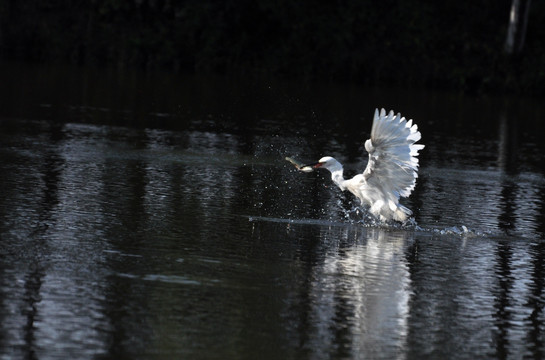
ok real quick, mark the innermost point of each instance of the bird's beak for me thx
(314, 166)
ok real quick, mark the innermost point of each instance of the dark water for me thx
(155, 217)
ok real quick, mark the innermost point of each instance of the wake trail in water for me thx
(360, 217)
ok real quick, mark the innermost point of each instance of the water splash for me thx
(359, 215)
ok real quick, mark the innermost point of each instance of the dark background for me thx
(452, 44)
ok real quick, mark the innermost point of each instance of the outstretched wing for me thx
(393, 163)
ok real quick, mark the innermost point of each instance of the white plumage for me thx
(392, 168)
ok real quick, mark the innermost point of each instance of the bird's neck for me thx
(337, 177)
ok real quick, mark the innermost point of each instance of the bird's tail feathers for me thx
(402, 213)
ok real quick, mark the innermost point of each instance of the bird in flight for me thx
(391, 171)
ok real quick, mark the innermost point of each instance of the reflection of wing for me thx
(393, 153)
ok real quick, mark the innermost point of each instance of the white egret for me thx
(391, 171)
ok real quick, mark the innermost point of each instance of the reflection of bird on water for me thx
(391, 171)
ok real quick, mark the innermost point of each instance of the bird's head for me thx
(329, 163)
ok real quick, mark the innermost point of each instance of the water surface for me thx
(162, 221)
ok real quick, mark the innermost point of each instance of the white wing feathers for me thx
(391, 170)
(393, 163)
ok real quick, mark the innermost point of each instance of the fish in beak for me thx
(302, 167)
